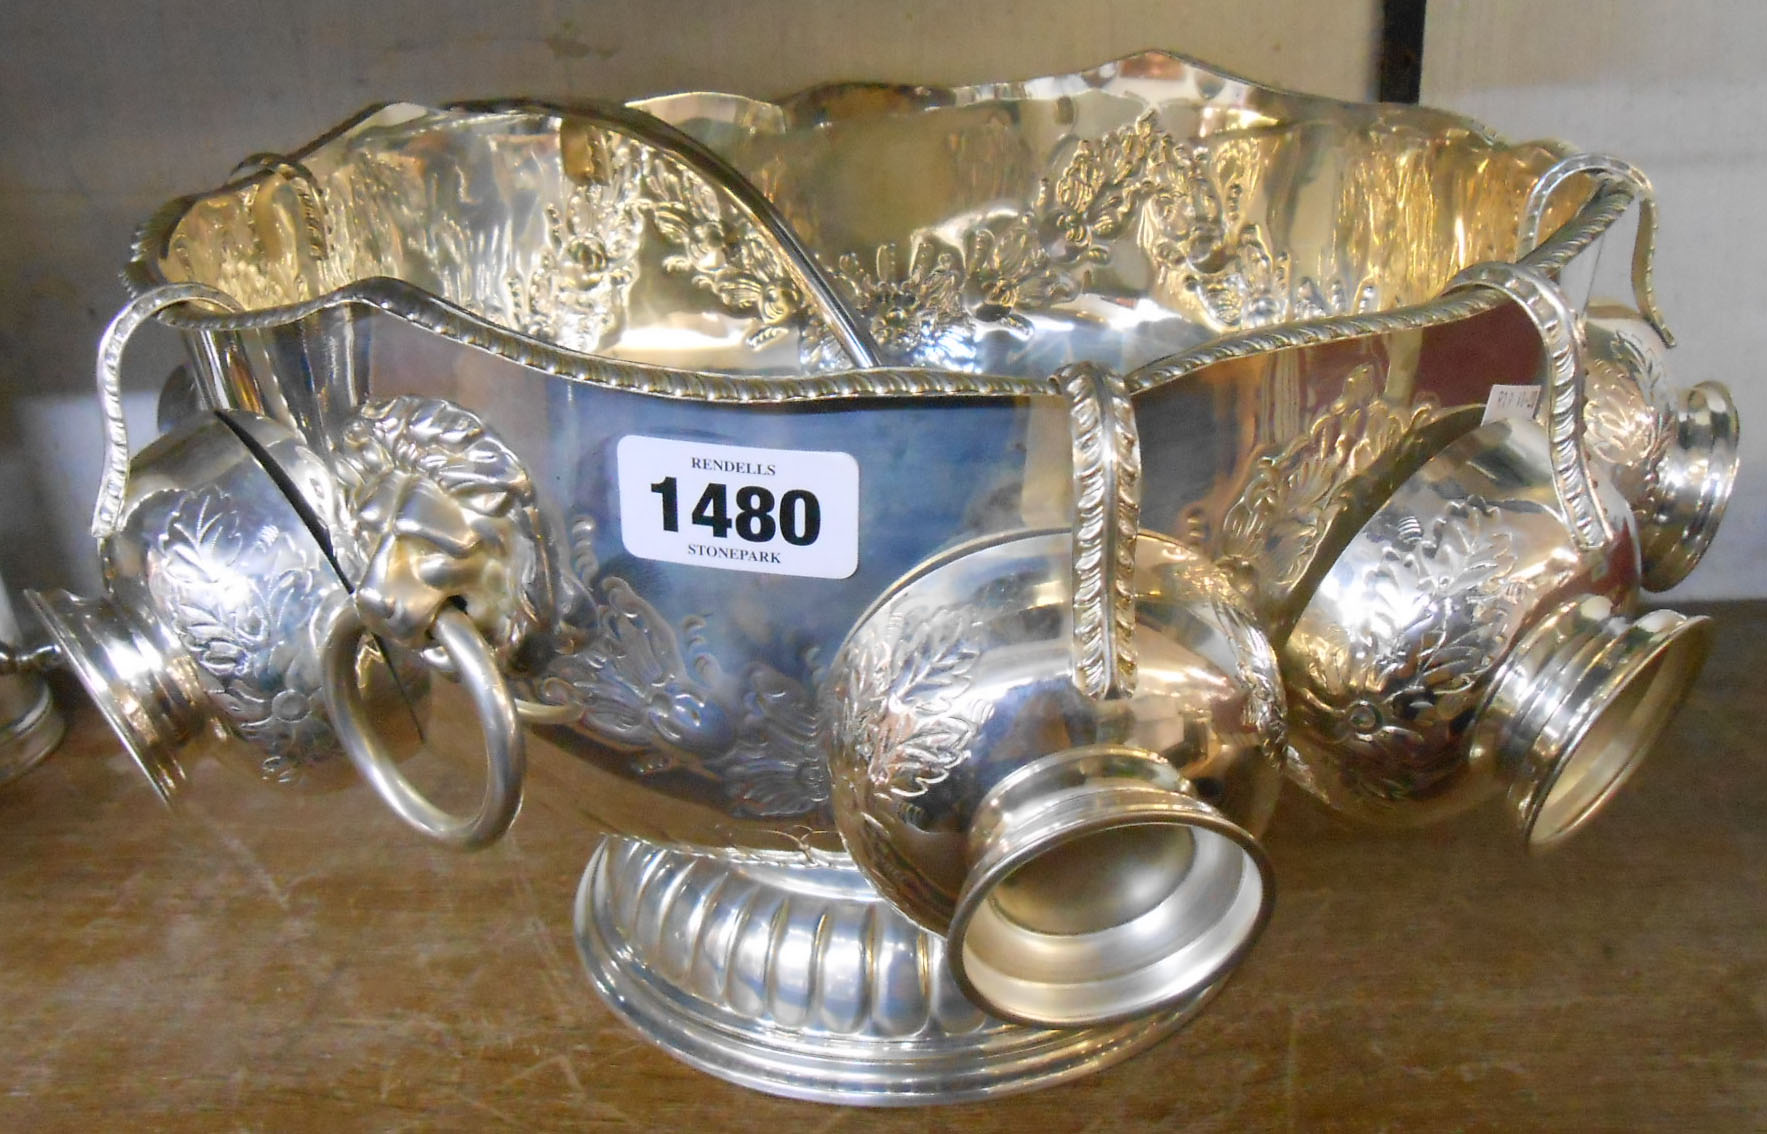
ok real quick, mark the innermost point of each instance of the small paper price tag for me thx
(1507, 402)
(773, 511)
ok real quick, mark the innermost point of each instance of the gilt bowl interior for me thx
(1117, 216)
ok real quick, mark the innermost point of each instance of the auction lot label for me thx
(775, 511)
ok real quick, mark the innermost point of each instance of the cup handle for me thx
(1564, 383)
(1107, 516)
(1629, 179)
(505, 754)
(113, 485)
(306, 190)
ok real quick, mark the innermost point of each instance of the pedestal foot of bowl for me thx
(797, 979)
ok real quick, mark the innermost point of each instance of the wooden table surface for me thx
(262, 963)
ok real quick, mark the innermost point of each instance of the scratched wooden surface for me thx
(267, 964)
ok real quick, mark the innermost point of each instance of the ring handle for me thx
(505, 755)
(1564, 383)
(528, 712)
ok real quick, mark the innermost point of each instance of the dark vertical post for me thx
(1401, 50)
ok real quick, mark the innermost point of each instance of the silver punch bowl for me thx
(919, 528)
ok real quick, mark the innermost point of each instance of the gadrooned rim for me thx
(414, 305)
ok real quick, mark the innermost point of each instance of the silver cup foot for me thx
(28, 738)
(799, 980)
(1578, 706)
(1693, 483)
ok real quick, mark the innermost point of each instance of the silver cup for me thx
(1474, 635)
(1086, 859)
(217, 600)
(1672, 454)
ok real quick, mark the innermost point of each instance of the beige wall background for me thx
(1678, 90)
(111, 108)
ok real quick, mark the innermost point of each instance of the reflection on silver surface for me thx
(680, 698)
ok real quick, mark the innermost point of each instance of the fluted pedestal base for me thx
(799, 980)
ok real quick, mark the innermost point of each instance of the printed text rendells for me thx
(742, 468)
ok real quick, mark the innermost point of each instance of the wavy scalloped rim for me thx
(425, 310)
